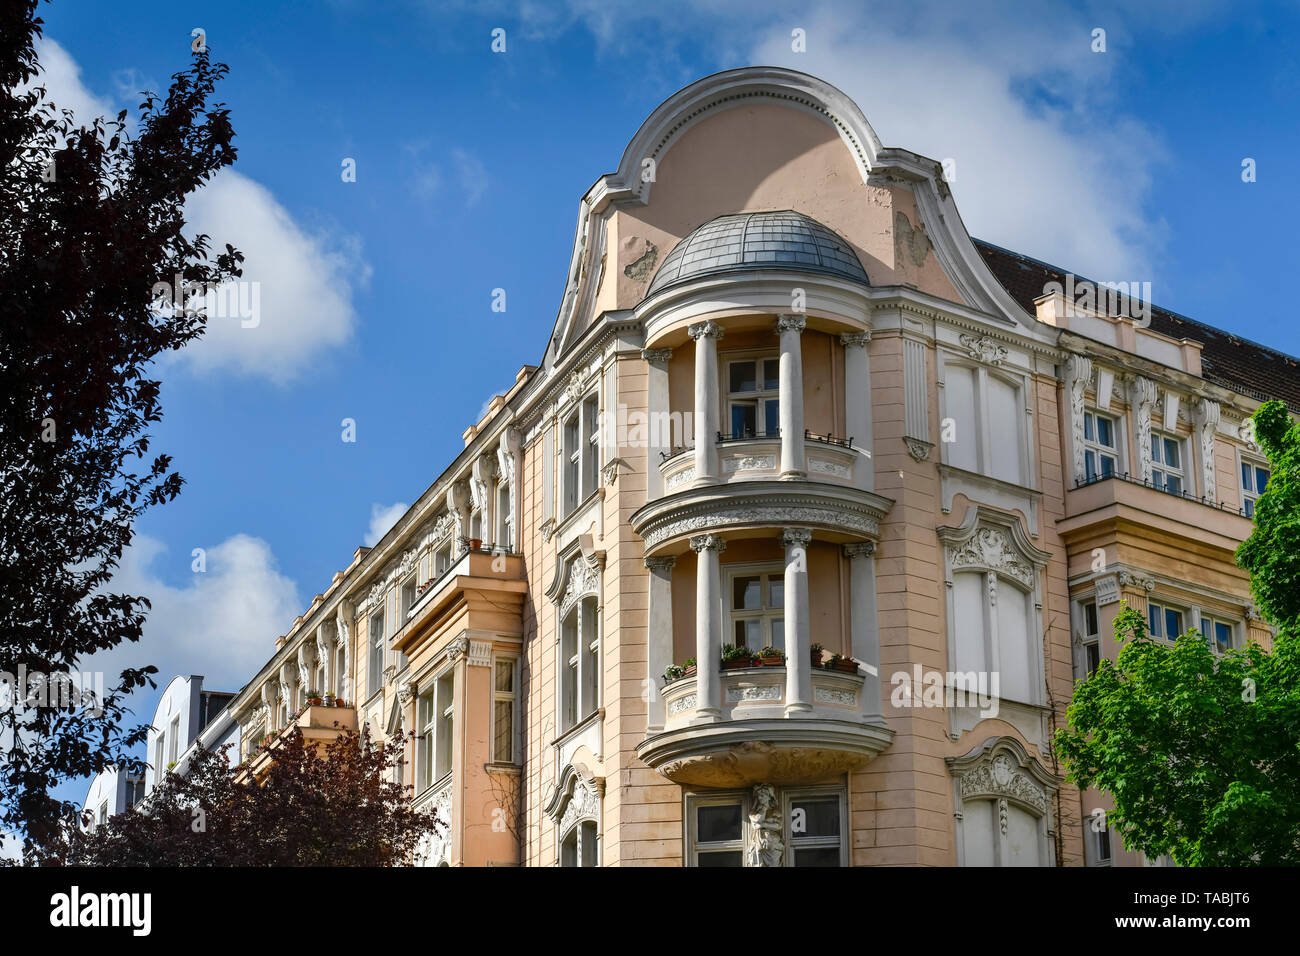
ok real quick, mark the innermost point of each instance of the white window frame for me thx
(1093, 446)
(1249, 496)
(1090, 634)
(992, 650)
(583, 663)
(985, 448)
(720, 798)
(435, 709)
(794, 841)
(511, 696)
(1166, 471)
(505, 530)
(1165, 606)
(173, 740)
(1211, 618)
(375, 651)
(408, 594)
(758, 397)
(580, 448)
(765, 613)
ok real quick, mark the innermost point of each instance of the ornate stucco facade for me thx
(787, 401)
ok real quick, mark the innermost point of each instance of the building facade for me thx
(791, 548)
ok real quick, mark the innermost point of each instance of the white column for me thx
(325, 655)
(857, 401)
(706, 335)
(791, 402)
(798, 632)
(458, 503)
(708, 625)
(659, 436)
(659, 634)
(863, 624)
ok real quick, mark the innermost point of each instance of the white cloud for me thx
(382, 518)
(222, 624)
(301, 283)
(474, 179)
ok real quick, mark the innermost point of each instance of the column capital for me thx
(796, 537)
(855, 340)
(791, 323)
(708, 542)
(658, 357)
(704, 330)
(859, 549)
(664, 563)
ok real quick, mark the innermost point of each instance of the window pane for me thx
(771, 417)
(817, 856)
(1250, 507)
(1223, 635)
(720, 858)
(1090, 465)
(503, 739)
(1104, 436)
(1094, 657)
(815, 818)
(1246, 474)
(1088, 431)
(1261, 480)
(775, 590)
(1173, 624)
(505, 675)
(771, 373)
(1153, 620)
(1107, 466)
(1157, 453)
(1090, 618)
(1173, 484)
(742, 419)
(716, 823)
(743, 377)
(746, 593)
(1171, 453)
(778, 634)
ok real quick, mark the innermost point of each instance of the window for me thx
(984, 427)
(1165, 622)
(1167, 463)
(505, 518)
(757, 608)
(159, 757)
(1101, 847)
(981, 620)
(581, 451)
(442, 560)
(579, 663)
(579, 846)
(340, 665)
(409, 593)
(816, 829)
(986, 842)
(1218, 633)
(375, 664)
(173, 740)
(1254, 479)
(1091, 639)
(503, 711)
(717, 828)
(102, 817)
(434, 709)
(1100, 458)
(753, 397)
(134, 791)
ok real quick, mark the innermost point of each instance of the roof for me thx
(759, 240)
(1246, 367)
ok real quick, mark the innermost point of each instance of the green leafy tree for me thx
(1201, 752)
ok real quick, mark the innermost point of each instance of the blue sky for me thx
(1122, 165)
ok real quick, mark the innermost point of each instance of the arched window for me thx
(575, 807)
(1004, 806)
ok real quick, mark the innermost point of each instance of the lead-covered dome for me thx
(759, 240)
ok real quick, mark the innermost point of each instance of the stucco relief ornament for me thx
(1078, 375)
(583, 805)
(983, 349)
(766, 848)
(1129, 579)
(1143, 399)
(1000, 777)
(457, 649)
(991, 548)
(918, 448)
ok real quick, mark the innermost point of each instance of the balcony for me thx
(319, 725)
(1121, 500)
(486, 584)
(751, 458)
(754, 740)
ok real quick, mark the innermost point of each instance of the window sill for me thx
(511, 768)
(594, 717)
(581, 507)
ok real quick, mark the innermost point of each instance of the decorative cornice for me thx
(708, 542)
(657, 357)
(991, 540)
(791, 323)
(703, 330)
(983, 349)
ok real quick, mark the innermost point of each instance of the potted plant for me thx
(845, 665)
(769, 657)
(329, 700)
(734, 657)
(476, 544)
(817, 655)
(688, 669)
(314, 698)
(674, 672)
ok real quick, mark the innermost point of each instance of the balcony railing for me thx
(1185, 496)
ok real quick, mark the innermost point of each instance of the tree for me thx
(1201, 753)
(331, 805)
(91, 222)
